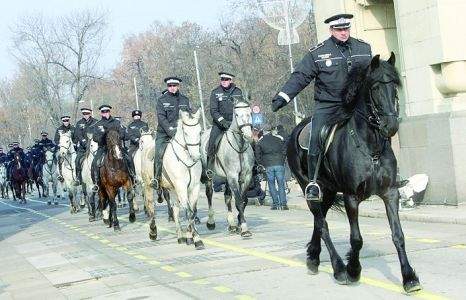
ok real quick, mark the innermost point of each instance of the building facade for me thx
(430, 45)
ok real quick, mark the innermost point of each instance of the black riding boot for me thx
(312, 191)
(155, 183)
(160, 146)
(95, 178)
(131, 169)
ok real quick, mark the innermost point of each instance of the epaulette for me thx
(316, 47)
(362, 41)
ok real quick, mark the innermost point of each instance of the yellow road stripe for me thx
(460, 246)
(201, 281)
(168, 268)
(428, 241)
(121, 248)
(154, 262)
(222, 289)
(104, 241)
(141, 257)
(244, 297)
(184, 274)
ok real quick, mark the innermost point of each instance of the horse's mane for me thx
(357, 83)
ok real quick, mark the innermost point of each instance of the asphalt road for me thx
(47, 253)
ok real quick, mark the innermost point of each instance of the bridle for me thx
(375, 113)
(185, 145)
(240, 127)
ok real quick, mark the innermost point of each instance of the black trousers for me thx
(132, 149)
(214, 134)
(323, 112)
(78, 163)
(161, 142)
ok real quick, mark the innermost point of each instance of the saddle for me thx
(325, 138)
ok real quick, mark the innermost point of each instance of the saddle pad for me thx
(305, 136)
(326, 137)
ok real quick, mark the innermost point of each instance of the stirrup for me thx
(60, 178)
(95, 188)
(313, 199)
(209, 173)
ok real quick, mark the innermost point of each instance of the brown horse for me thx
(19, 178)
(114, 175)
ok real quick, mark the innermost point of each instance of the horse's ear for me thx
(392, 59)
(197, 114)
(375, 62)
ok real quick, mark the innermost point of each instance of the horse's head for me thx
(49, 155)
(113, 143)
(242, 120)
(65, 143)
(383, 106)
(190, 126)
(146, 138)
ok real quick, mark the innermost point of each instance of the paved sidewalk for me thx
(374, 208)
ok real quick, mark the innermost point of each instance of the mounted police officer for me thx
(15, 149)
(329, 64)
(133, 131)
(168, 112)
(45, 142)
(3, 158)
(80, 139)
(64, 128)
(106, 123)
(222, 101)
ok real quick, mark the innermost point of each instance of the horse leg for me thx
(353, 268)
(209, 191)
(38, 189)
(391, 201)
(130, 197)
(176, 215)
(240, 206)
(192, 208)
(321, 226)
(166, 195)
(232, 226)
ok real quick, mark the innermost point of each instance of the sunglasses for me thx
(86, 113)
(105, 111)
(172, 85)
(65, 121)
(225, 79)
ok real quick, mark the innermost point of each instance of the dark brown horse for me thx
(114, 175)
(35, 177)
(19, 178)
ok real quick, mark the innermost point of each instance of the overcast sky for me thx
(125, 17)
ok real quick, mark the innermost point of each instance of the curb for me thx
(403, 216)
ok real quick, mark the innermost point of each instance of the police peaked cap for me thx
(172, 80)
(339, 21)
(65, 118)
(43, 133)
(86, 110)
(226, 75)
(105, 107)
(136, 112)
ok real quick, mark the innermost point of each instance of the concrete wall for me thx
(431, 57)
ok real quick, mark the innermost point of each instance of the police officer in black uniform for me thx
(2, 156)
(168, 112)
(80, 139)
(133, 132)
(15, 148)
(329, 64)
(45, 141)
(106, 123)
(63, 128)
(222, 101)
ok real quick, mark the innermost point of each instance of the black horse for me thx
(359, 163)
(19, 178)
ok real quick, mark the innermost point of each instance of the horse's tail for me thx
(339, 203)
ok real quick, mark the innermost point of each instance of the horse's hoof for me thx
(56, 203)
(159, 200)
(49, 203)
(197, 221)
(171, 219)
(91, 219)
(210, 226)
(341, 278)
(199, 245)
(106, 222)
(312, 266)
(116, 228)
(189, 241)
(182, 240)
(82, 206)
(232, 229)
(412, 286)
(246, 234)
(132, 217)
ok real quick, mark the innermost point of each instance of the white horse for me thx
(49, 175)
(181, 173)
(3, 181)
(86, 184)
(67, 155)
(233, 163)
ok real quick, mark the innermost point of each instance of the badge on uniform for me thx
(101, 128)
(328, 62)
(81, 125)
(219, 96)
